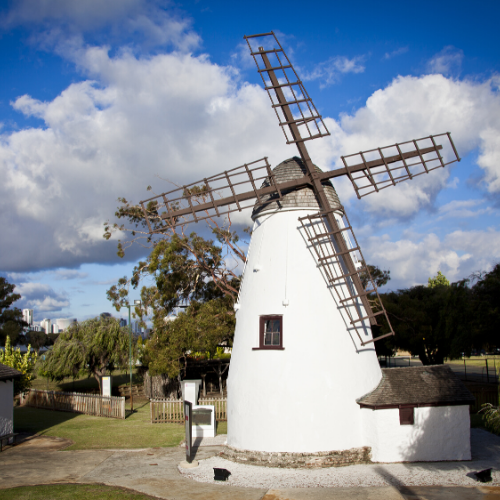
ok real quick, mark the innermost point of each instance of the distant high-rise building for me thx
(123, 322)
(64, 323)
(28, 316)
(46, 324)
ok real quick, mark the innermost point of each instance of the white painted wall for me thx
(301, 399)
(439, 433)
(6, 407)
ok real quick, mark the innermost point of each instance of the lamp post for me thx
(135, 304)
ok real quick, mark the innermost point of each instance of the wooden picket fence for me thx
(89, 404)
(220, 407)
(172, 410)
(484, 395)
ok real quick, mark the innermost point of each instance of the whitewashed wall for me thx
(439, 433)
(6, 407)
(301, 399)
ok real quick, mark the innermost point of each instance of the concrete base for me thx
(316, 460)
(186, 465)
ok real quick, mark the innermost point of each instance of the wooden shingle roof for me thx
(8, 373)
(289, 170)
(435, 385)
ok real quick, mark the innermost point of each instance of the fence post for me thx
(465, 369)
(487, 371)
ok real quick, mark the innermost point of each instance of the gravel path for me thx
(485, 454)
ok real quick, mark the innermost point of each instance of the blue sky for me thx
(101, 99)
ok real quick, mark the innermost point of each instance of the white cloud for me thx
(151, 22)
(329, 71)
(414, 107)
(41, 297)
(416, 257)
(447, 62)
(173, 115)
(397, 52)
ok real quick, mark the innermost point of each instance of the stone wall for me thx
(299, 460)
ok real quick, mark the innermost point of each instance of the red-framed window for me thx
(270, 332)
(406, 416)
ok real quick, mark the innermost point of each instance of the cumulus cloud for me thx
(42, 298)
(151, 22)
(416, 257)
(173, 115)
(414, 107)
(447, 62)
(330, 71)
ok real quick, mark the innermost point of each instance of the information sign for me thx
(188, 416)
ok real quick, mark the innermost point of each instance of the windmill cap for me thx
(297, 198)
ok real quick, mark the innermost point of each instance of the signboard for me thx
(106, 386)
(188, 417)
(202, 416)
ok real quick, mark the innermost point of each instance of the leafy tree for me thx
(92, 347)
(438, 280)
(185, 268)
(37, 339)
(379, 276)
(486, 303)
(430, 322)
(25, 363)
(11, 318)
(202, 328)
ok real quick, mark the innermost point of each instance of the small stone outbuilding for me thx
(417, 414)
(7, 377)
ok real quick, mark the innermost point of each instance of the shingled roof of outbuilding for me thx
(8, 373)
(288, 170)
(434, 385)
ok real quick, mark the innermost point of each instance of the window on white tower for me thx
(271, 332)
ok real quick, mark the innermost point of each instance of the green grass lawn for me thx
(88, 433)
(72, 492)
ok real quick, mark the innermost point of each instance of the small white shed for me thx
(417, 414)
(7, 376)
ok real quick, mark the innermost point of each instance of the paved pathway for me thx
(154, 471)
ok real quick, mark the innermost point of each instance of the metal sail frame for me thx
(236, 189)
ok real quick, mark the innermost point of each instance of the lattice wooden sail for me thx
(330, 259)
(330, 236)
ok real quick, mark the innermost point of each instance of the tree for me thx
(92, 347)
(202, 328)
(438, 280)
(432, 322)
(486, 300)
(185, 268)
(379, 276)
(11, 318)
(37, 339)
(25, 363)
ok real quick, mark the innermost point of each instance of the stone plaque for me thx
(202, 416)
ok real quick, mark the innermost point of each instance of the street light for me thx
(135, 304)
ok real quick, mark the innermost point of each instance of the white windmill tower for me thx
(303, 348)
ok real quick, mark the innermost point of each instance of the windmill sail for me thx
(289, 98)
(329, 235)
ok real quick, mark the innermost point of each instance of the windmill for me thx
(303, 284)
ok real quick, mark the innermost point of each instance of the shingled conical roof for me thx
(304, 197)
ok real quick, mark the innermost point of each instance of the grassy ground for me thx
(72, 492)
(87, 432)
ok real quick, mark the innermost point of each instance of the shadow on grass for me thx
(36, 421)
(138, 404)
